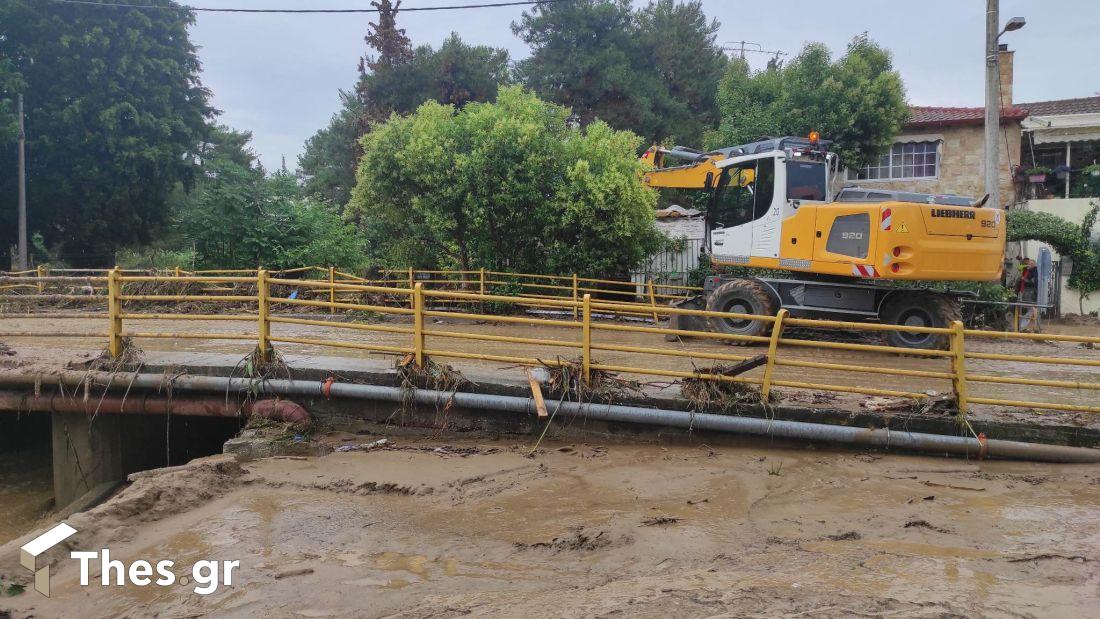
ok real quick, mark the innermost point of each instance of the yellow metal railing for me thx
(410, 296)
(641, 297)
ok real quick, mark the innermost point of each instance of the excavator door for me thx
(844, 234)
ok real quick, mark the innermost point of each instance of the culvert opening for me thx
(38, 447)
(154, 441)
(26, 473)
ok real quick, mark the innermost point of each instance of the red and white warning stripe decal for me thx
(887, 218)
(860, 270)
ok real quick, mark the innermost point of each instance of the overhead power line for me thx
(485, 5)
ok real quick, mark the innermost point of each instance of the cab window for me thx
(806, 181)
(744, 193)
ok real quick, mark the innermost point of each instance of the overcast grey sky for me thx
(278, 75)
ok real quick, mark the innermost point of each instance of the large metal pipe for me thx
(884, 438)
(131, 404)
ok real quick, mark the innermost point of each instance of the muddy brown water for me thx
(26, 490)
(444, 529)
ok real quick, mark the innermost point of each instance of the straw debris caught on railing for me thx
(566, 381)
(723, 396)
(433, 377)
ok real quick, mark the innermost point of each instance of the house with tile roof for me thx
(940, 150)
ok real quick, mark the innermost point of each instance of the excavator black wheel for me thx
(920, 310)
(741, 296)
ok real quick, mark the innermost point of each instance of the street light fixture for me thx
(1013, 24)
(993, 96)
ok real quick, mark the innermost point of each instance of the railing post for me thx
(332, 289)
(264, 325)
(177, 271)
(481, 288)
(42, 272)
(418, 324)
(773, 346)
(586, 339)
(653, 302)
(114, 313)
(412, 284)
(958, 366)
(575, 298)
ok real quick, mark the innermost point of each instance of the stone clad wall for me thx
(961, 170)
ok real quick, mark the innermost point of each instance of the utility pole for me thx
(992, 103)
(23, 264)
(993, 34)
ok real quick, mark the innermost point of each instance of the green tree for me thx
(652, 71)
(237, 217)
(505, 185)
(327, 165)
(857, 101)
(456, 73)
(682, 47)
(393, 50)
(114, 111)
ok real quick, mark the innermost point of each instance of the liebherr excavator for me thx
(769, 206)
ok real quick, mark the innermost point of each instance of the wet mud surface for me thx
(439, 529)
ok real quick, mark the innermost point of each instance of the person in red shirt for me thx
(1027, 291)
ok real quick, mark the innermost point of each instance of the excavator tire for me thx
(920, 310)
(741, 296)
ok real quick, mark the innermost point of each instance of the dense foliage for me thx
(653, 71)
(239, 216)
(858, 101)
(114, 111)
(327, 165)
(1076, 242)
(505, 185)
(397, 79)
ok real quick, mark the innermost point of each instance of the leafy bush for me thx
(155, 258)
(508, 186)
(240, 218)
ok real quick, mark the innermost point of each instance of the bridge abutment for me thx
(87, 452)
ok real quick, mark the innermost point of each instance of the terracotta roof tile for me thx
(1083, 105)
(921, 116)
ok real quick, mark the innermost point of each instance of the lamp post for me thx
(21, 200)
(993, 96)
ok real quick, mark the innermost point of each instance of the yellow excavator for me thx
(769, 205)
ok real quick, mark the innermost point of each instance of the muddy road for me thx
(55, 351)
(429, 529)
